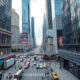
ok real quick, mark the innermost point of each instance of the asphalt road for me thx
(34, 74)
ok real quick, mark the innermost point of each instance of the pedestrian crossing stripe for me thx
(34, 74)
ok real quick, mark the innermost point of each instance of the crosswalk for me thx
(35, 74)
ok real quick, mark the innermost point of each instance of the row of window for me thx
(5, 18)
(5, 39)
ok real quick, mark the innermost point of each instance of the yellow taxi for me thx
(55, 76)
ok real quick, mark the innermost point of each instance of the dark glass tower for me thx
(70, 54)
(57, 7)
(58, 20)
(5, 25)
(49, 27)
(32, 32)
(44, 33)
(26, 16)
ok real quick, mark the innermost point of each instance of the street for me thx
(34, 73)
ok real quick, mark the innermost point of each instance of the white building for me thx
(15, 28)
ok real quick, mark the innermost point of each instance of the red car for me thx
(27, 65)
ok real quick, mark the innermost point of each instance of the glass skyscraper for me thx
(58, 20)
(25, 16)
(5, 25)
(44, 33)
(57, 7)
(70, 54)
(32, 32)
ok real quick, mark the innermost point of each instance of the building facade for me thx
(5, 25)
(15, 37)
(71, 36)
(26, 16)
(58, 23)
(32, 32)
(49, 27)
(25, 36)
(44, 33)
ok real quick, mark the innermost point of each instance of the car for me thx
(55, 76)
(34, 63)
(32, 59)
(44, 65)
(37, 66)
(27, 65)
(41, 66)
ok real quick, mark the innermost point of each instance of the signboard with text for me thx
(50, 33)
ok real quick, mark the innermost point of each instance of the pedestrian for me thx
(45, 74)
(15, 67)
(42, 77)
(6, 77)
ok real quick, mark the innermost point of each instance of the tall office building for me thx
(5, 25)
(49, 28)
(71, 33)
(26, 21)
(32, 32)
(57, 7)
(15, 37)
(44, 33)
(58, 20)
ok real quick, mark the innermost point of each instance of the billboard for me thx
(24, 38)
(50, 33)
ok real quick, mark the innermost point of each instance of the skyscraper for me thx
(57, 7)
(58, 20)
(25, 37)
(49, 28)
(15, 37)
(26, 16)
(5, 25)
(44, 33)
(71, 33)
(32, 32)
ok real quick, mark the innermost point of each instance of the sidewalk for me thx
(63, 74)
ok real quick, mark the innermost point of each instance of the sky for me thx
(37, 10)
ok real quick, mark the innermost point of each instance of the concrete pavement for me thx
(63, 74)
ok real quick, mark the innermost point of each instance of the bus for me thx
(18, 74)
(4, 61)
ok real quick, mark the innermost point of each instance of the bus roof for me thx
(18, 72)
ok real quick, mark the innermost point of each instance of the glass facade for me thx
(49, 13)
(26, 16)
(5, 14)
(44, 33)
(71, 33)
(5, 25)
(71, 23)
(32, 31)
(57, 7)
